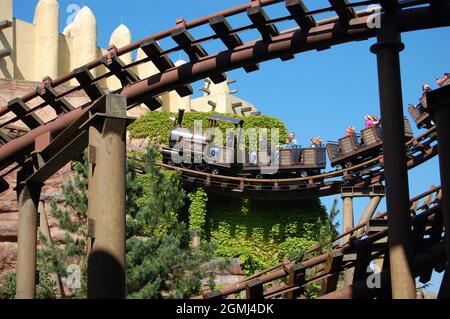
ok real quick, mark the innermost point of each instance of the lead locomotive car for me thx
(192, 150)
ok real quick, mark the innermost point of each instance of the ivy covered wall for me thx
(262, 233)
(156, 126)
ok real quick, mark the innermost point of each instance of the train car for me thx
(296, 162)
(419, 113)
(200, 153)
(420, 116)
(351, 150)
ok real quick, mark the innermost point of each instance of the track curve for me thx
(345, 27)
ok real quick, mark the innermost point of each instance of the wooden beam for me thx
(184, 39)
(86, 80)
(5, 52)
(4, 138)
(296, 278)
(254, 289)
(3, 185)
(344, 12)
(260, 19)
(223, 29)
(195, 51)
(19, 108)
(298, 11)
(438, 5)
(363, 259)
(332, 266)
(4, 24)
(118, 68)
(154, 51)
(49, 95)
(390, 6)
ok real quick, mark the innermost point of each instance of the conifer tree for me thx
(160, 261)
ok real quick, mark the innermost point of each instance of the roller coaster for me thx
(45, 148)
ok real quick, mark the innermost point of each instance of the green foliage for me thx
(157, 125)
(160, 262)
(263, 233)
(45, 289)
(197, 210)
(72, 218)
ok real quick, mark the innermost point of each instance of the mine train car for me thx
(197, 152)
(419, 112)
(353, 150)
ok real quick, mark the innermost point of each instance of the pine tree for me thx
(160, 261)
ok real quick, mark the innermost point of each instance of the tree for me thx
(160, 261)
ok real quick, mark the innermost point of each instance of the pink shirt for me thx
(369, 123)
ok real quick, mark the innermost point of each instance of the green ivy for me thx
(156, 126)
(262, 233)
(197, 210)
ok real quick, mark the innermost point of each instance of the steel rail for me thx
(196, 23)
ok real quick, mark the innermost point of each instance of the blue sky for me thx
(318, 93)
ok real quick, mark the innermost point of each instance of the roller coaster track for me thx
(366, 244)
(367, 174)
(348, 25)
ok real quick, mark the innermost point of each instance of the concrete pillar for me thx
(396, 175)
(7, 63)
(347, 224)
(107, 161)
(83, 31)
(120, 38)
(46, 35)
(28, 197)
(439, 106)
(172, 102)
(368, 213)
